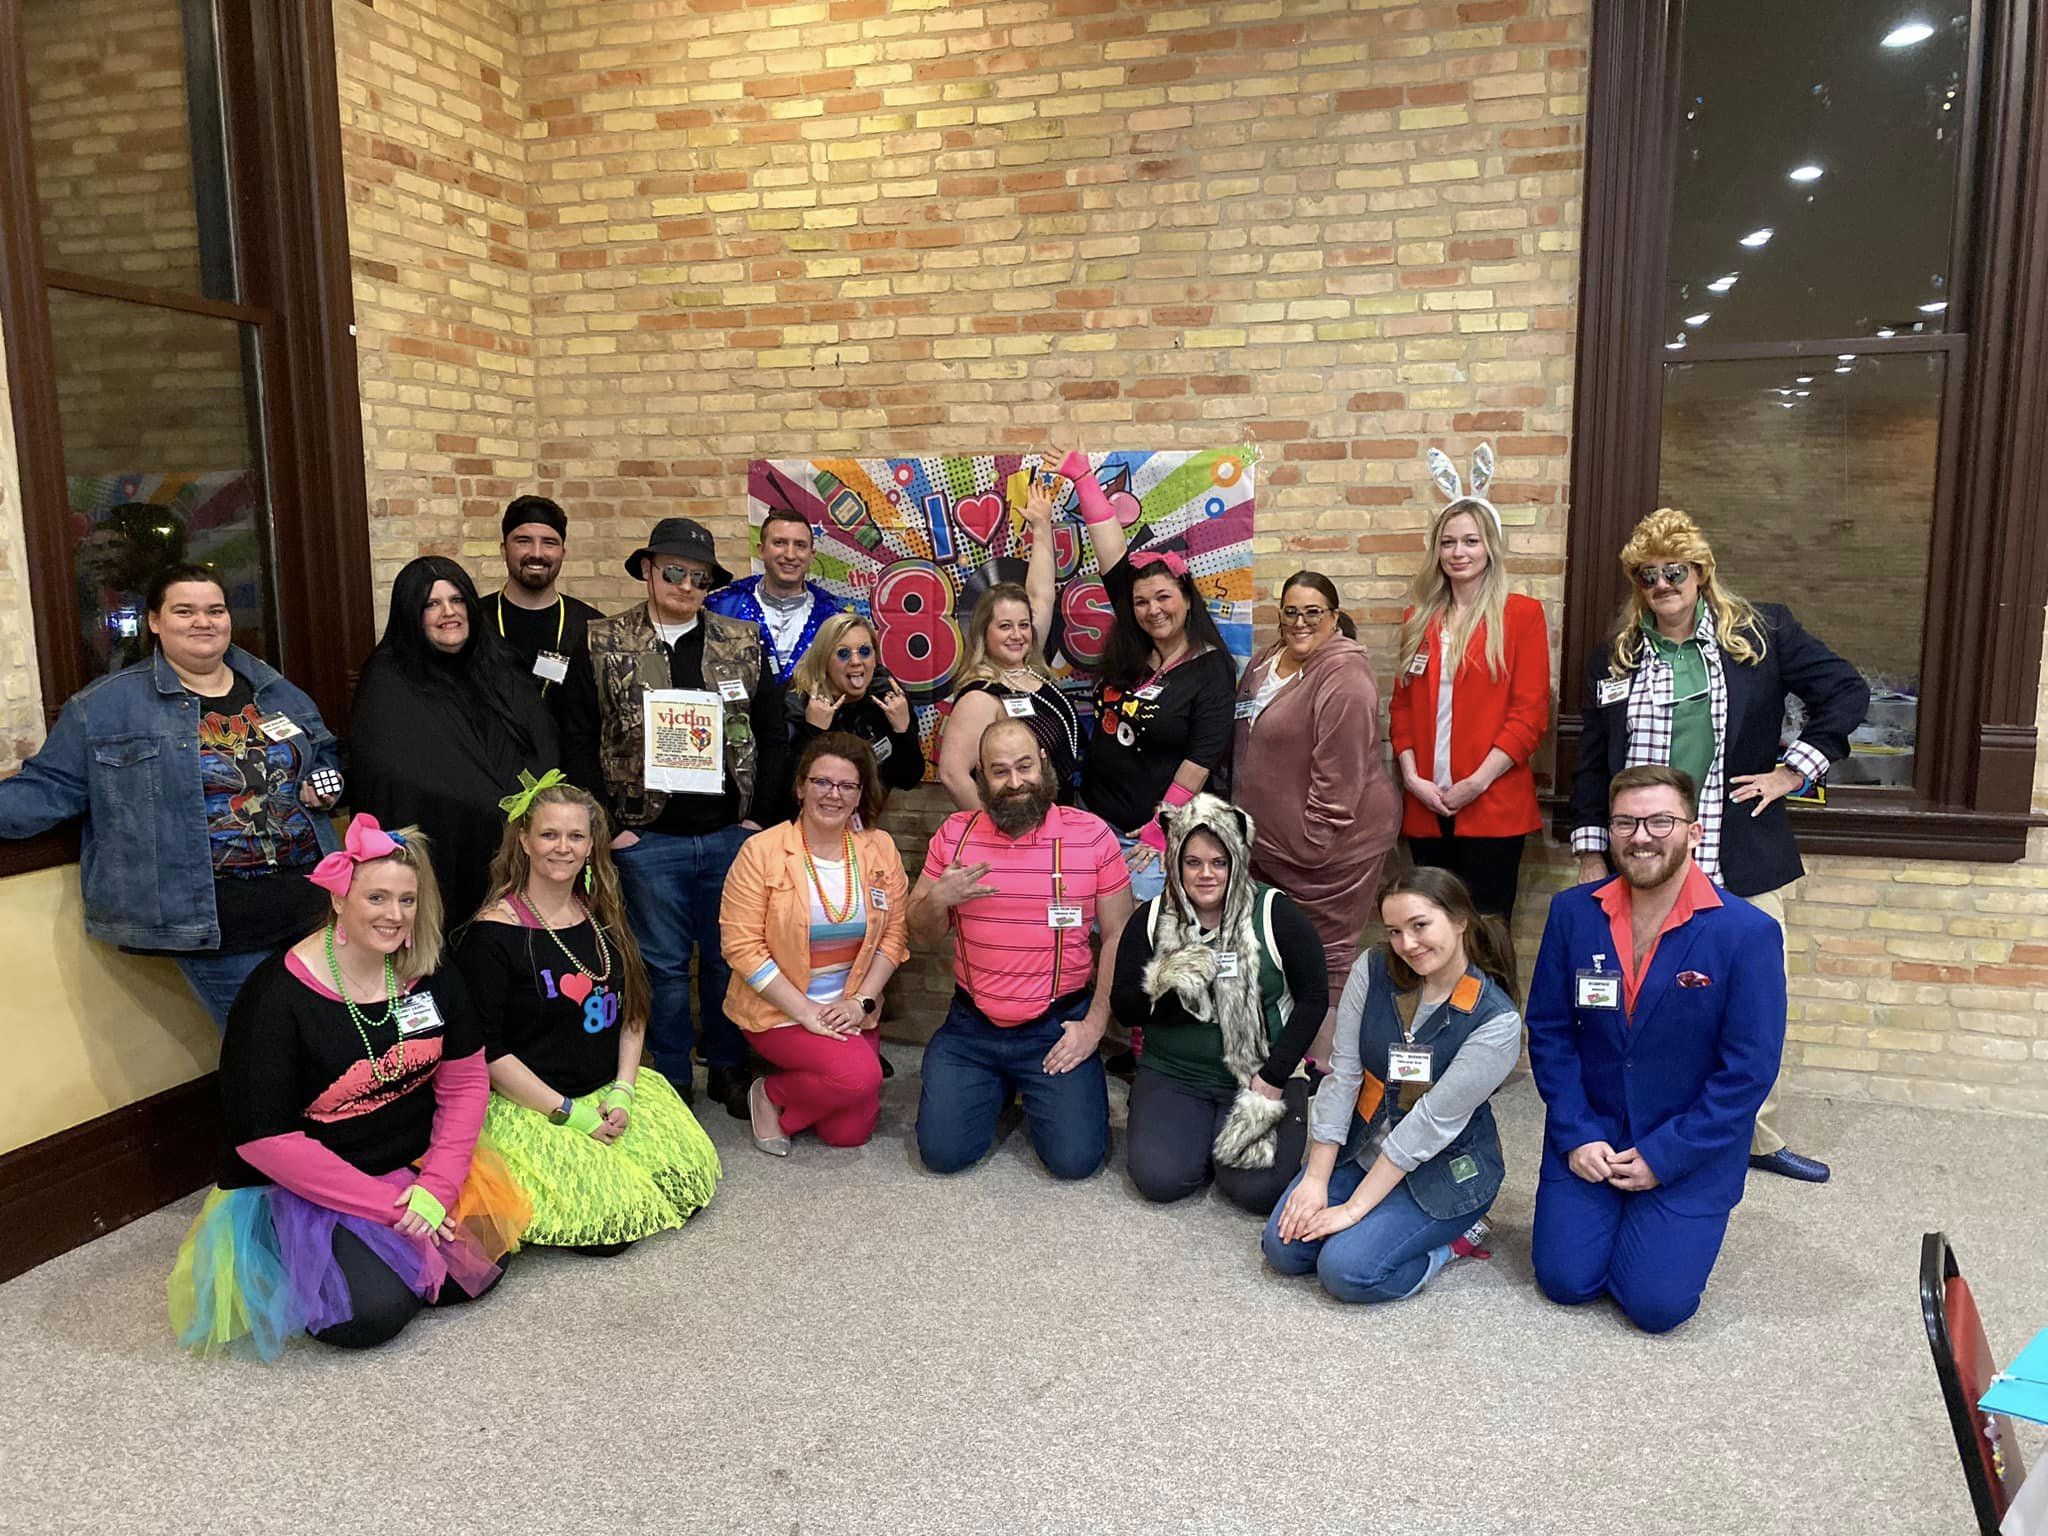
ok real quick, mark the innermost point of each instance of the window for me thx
(176, 308)
(1805, 322)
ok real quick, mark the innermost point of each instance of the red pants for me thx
(831, 1086)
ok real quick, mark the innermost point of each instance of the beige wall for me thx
(614, 250)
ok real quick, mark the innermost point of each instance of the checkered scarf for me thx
(1650, 711)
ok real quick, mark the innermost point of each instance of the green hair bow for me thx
(517, 805)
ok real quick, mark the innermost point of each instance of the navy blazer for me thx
(1683, 1084)
(1758, 853)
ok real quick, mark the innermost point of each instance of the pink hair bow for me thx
(1166, 557)
(365, 841)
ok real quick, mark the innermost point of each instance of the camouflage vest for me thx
(627, 661)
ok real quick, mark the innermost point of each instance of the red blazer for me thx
(1511, 712)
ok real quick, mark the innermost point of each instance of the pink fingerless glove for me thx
(1095, 507)
(1154, 835)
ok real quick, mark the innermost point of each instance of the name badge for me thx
(1018, 709)
(1598, 990)
(1409, 1064)
(1057, 916)
(551, 666)
(1151, 691)
(1610, 690)
(1226, 964)
(1418, 664)
(1248, 709)
(278, 728)
(878, 898)
(732, 690)
(882, 749)
(417, 1014)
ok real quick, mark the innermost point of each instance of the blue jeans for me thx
(970, 1067)
(673, 885)
(1386, 1256)
(216, 978)
(1149, 881)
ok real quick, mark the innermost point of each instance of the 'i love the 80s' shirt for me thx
(533, 1003)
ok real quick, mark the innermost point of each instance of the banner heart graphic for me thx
(980, 515)
(575, 988)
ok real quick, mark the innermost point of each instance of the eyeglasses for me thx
(1660, 825)
(1308, 616)
(1649, 576)
(849, 652)
(684, 576)
(834, 786)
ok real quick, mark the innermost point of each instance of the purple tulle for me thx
(305, 1239)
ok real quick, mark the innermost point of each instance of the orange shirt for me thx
(1697, 894)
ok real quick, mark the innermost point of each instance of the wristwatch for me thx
(561, 1116)
(867, 1004)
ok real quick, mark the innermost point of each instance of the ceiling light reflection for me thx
(1806, 173)
(1758, 238)
(1906, 34)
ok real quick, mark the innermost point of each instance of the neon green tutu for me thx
(586, 1193)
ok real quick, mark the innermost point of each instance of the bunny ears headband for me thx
(1445, 474)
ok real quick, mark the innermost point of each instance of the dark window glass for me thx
(131, 164)
(158, 411)
(1827, 133)
(1815, 483)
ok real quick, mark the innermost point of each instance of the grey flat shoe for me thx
(758, 1105)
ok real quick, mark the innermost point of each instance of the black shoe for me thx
(728, 1086)
(888, 1066)
(1807, 1170)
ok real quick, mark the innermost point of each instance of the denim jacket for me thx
(124, 754)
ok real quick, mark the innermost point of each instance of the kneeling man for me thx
(1020, 882)
(1656, 1019)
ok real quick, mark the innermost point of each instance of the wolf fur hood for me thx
(1183, 965)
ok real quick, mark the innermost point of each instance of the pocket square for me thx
(1695, 979)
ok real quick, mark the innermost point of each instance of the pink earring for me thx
(340, 933)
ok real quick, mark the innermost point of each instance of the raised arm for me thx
(1104, 530)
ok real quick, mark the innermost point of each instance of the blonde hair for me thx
(1429, 596)
(979, 669)
(1668, 534)
(605, 899)
(418, 959)
(810, 677)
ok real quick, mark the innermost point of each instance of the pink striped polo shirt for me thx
(1006, 954)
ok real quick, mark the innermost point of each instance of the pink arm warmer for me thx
(295, 1161)
(462, 1091)
(1095, 507)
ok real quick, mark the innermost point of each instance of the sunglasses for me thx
(851, 652)
(1650, 577)
(684, 576)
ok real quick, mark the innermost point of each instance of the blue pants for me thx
(1592, 1240)
(673, 885)
(970, 1068)
(216, 979)
(1383, 1258)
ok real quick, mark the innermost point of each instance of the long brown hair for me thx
(1487, 944)
(605, 898)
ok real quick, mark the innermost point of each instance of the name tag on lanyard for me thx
(1598, 990)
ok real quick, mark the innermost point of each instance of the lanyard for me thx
(561, 619)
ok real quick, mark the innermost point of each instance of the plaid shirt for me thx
(1650, 711)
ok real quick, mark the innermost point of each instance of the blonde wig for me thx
(1669, 534)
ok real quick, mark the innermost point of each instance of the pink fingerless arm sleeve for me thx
(295, 1161)
(462, 1091)
(1095, 507)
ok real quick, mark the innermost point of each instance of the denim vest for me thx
(1475, 1152)
(124, 754)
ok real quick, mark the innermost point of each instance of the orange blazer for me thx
(766, 914)
(1511, 712)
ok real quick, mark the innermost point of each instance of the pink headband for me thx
(1166, 557)
(365, 841)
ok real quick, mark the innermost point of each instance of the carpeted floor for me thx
(842, 1343)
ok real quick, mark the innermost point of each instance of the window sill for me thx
(47, 851)
(1910, 830)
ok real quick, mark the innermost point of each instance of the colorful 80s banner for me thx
(914, 543)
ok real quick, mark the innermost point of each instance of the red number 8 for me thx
(919, 640)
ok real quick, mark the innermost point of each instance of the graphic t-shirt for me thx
(1145, 732)
(292, 1060)
(261, 838)
(533, 1003)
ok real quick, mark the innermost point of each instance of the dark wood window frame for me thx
(277, 59)
(1988, 576)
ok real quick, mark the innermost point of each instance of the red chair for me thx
(1963, 1365)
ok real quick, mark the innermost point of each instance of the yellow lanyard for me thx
(561, 619)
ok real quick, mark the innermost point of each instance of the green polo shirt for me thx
(1692, 713)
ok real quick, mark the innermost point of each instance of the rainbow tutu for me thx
(258, 1264)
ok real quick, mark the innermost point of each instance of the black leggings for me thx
(1172, 1127)
(1491, 867)
(383, 1303)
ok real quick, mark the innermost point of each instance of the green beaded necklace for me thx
(357, 1017)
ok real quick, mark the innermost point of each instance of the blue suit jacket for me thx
(1684, 1082)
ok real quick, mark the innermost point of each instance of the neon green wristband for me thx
(585, 1117)
(422, 1204)
(617, 1096)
